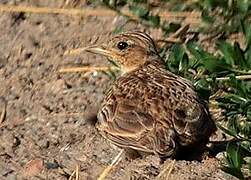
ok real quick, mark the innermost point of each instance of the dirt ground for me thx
(45, 134)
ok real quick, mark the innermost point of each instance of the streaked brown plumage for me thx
(148, 108)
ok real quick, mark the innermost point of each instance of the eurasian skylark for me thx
(148, 108)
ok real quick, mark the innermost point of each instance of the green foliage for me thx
(170, 27)
(145, 15)
(234, 160)
(211, 72)
(219, 15)
(236, 102)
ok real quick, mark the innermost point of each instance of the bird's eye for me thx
(122, 45)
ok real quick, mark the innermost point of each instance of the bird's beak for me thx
(99, 50)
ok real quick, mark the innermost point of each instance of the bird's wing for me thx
(154, 112)
(128, 119)
(188, 114)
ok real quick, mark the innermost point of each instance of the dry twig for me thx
(47, 10)
(87, 69)
(241, 77)
(108, 169)
(75, 173)
(181, 31)
(3, 114)
(72, 175)
(176, 37)
(168, 169)
(190, 17)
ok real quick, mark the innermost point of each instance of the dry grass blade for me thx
(3, 114)
(77, 172)
(193, 14)
(47, 10)
(168, 40)
(175, 38)
(181, 31)
(72, 175)
(165, 173)
(191, 17)
(170, 170)
(241, 77)
(108, 169)
(86, 69)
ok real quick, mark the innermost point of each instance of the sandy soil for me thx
(45, 134)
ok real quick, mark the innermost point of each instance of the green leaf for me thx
(239, 87)
(248, 57)
(246, 28)
(170, 27)
(178, 60)
(178, 52)
(215, 3)
(243, 5)
(227, 51)
(249, 166)
(234, 159)
(233, 54)
(113, 4)
(203, 88)
(163, 51)
(249, 114)
(140, 1)
(207, 18)
(236, 98)
(230, 132)
(139, 11)
(240, 56)
(153, 21)
(183, 65)
(235, 172)
(210, 62)
(171, 63)
(233, 155)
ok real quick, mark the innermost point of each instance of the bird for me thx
(148, 108)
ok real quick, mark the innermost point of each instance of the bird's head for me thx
(128, 50)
